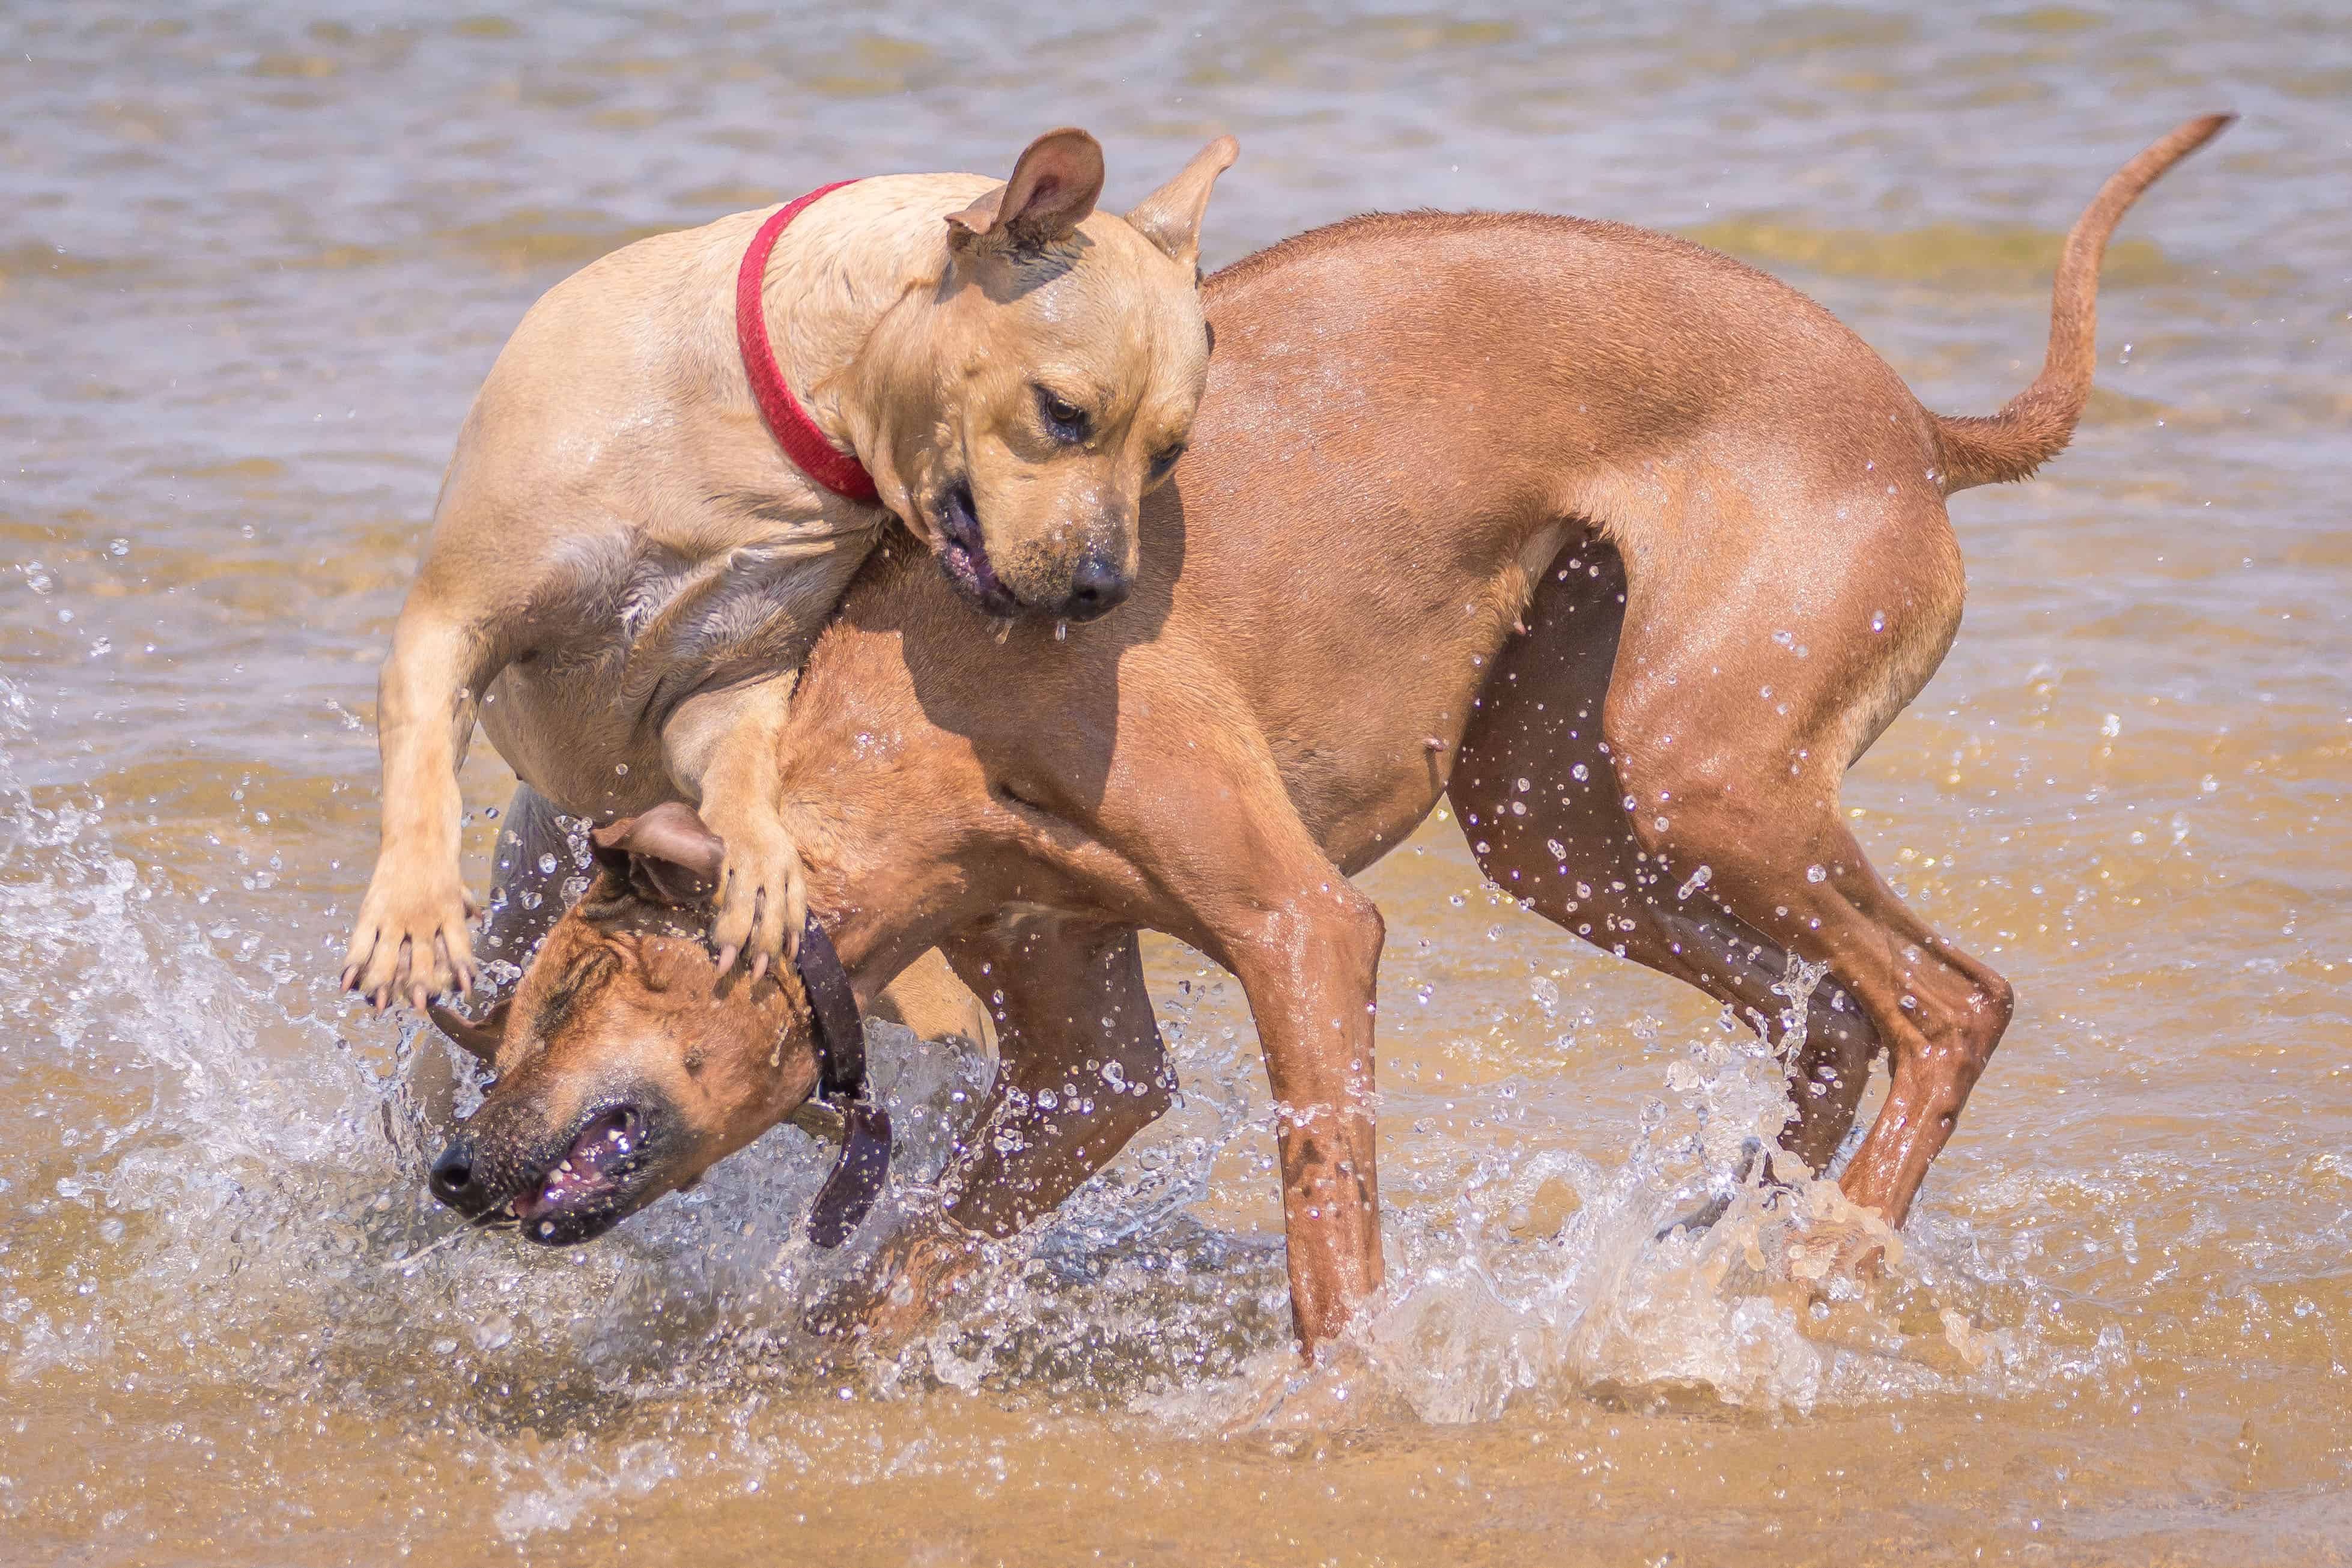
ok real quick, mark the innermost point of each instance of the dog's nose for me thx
(453, 1177)
(1098, 587)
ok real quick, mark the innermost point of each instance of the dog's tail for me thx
(2038, 422)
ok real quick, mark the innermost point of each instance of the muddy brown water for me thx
(253, 262)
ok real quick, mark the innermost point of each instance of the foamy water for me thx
(253, 264)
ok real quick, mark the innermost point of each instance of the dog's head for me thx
(1020, 412)
(624, 1066)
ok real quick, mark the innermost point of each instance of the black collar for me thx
(863, 1164)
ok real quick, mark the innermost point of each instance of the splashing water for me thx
(231, 1186)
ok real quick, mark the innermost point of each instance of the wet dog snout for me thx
(454, 1181)
(1099, 585)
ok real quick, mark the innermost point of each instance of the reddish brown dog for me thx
(1720, 517)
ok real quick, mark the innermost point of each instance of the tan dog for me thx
(626, 569)
(1726, 518)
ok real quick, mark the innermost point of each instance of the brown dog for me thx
(1724, 517)
(626, 568)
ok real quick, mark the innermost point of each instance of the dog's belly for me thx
(580, 720)
(1371, 754)
(568, 732)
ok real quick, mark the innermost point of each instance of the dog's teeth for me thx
(614, 1136)
(564, 1169)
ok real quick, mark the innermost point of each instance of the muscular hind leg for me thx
(1740, 693)
(1563, 844)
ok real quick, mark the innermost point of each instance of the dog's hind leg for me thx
(532, 859)
(1538, 799)
(1740, 693)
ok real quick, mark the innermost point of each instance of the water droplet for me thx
(547, 865)
(1815, 874)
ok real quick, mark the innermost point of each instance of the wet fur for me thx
(1476, 500)
(626, 571)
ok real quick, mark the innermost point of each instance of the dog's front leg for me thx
(1081, 1069)
(1247, 884)
(1307, 956)
(721, 751)
(410, 939)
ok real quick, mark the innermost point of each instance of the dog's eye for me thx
(1164, 460)
(1065, 419)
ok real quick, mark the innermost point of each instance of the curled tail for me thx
(2038, 422)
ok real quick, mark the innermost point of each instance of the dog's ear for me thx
(480, 1040)
(666, 855)
(1052, 190)
(1169, 218)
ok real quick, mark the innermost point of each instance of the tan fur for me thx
(625, 570)
(1745, 569)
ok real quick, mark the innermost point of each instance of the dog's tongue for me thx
(585, 1170)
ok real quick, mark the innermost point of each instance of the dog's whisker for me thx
(497, 1219)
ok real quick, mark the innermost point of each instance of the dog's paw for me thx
(1838, 1242)
(411, 943)
(901, 1294)
(1341, 1389)
(763, 895)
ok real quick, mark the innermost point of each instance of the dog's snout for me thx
(453, 1177)
(1099, 585)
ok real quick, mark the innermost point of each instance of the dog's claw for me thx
(409, 942)
(758, 883)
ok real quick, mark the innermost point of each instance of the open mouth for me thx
(588, 1190)
(963, 555)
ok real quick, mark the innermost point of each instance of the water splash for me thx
(224, 1191)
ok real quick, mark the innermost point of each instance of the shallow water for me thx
(253, 262)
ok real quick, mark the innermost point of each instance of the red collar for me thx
(794, 431)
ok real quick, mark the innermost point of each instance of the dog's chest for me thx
(677, 613)
(657, 625)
